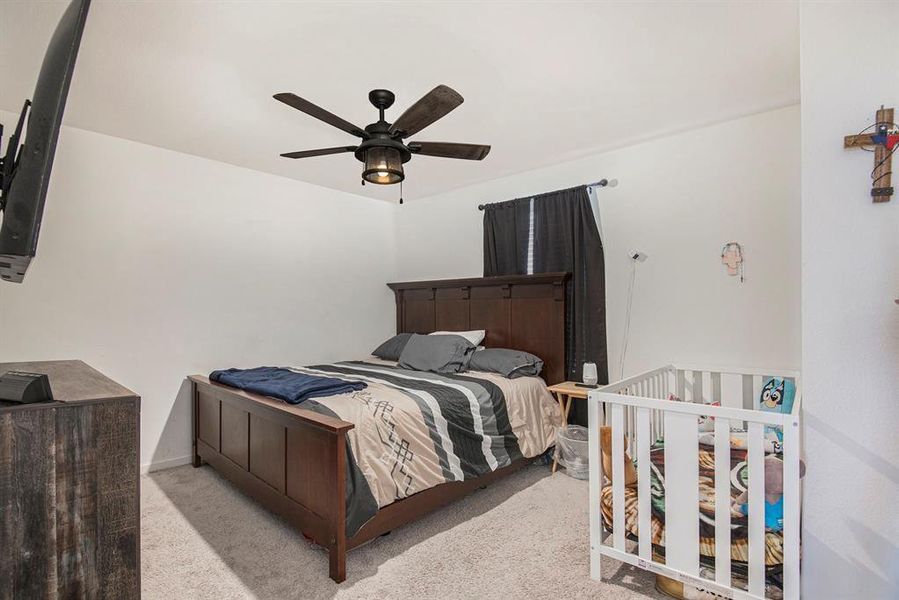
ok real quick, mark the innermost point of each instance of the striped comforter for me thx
(415, 430)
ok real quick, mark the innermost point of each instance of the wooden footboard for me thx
(290, 460)
(293, 462)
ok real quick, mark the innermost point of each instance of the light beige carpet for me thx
(523, 537)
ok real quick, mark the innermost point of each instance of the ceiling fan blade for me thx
(450, 150)
(319, 152)
(432, 106)
(320, 113)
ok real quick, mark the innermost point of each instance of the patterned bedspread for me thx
(739, 522)
(415, 430)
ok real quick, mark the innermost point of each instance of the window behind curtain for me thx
(531, 237)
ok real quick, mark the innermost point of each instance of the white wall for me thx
(680, 198)
(850, 323)
(153, 265)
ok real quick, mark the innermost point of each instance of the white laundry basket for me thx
(573, 450)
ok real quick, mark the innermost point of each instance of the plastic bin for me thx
(572, 451)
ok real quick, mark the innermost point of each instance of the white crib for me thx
(638, 407)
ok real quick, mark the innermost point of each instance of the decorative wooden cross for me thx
(884, 139)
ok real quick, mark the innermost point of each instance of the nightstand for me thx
(564, 392)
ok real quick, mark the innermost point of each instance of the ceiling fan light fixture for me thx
(383, 148)
(383, 165)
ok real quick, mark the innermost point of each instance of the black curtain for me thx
(565, 239)
(506, 237)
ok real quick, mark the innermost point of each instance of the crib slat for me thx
(681, 385)
(631, 425)
(655, 425)
(756, 464)
(644, 522)
(722, 501)
(618, 477)
(791, 509)
(716, 387)
(697, 387)
(748, 396)
(681, 493)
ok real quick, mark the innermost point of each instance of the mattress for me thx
(739, 531)
(415, 430)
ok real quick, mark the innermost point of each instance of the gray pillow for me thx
(392, 348)
(437, 353)
(508, 363)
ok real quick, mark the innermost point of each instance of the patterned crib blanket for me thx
(739, 522)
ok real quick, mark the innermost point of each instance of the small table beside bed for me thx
(565, 392)
(346, 468)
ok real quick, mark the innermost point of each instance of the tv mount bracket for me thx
(10, 160)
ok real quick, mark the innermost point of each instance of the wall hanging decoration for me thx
(883, 141)
(732, 257)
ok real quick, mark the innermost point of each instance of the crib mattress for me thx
(739, 530)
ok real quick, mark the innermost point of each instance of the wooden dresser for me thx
(69, 502)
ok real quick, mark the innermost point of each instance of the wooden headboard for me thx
(524, 312)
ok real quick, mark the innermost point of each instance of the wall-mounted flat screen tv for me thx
(25, 167)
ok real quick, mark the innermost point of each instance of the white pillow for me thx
(475, 337)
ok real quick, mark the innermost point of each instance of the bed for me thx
(330, 468)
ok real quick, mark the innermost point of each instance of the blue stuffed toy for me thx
(774, 500)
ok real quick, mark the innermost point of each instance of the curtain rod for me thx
(601, 183)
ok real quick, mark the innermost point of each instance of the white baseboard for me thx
(165, 464)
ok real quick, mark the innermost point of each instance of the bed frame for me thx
(293, 461)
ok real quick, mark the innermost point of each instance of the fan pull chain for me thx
(401, 191)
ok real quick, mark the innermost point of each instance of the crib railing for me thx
(639, 412)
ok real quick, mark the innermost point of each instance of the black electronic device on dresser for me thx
(21, 387)
(69, 501)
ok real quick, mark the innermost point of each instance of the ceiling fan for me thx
(383, 150)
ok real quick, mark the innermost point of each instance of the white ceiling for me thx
(543, 82)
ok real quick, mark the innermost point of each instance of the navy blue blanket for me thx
(284, 384)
